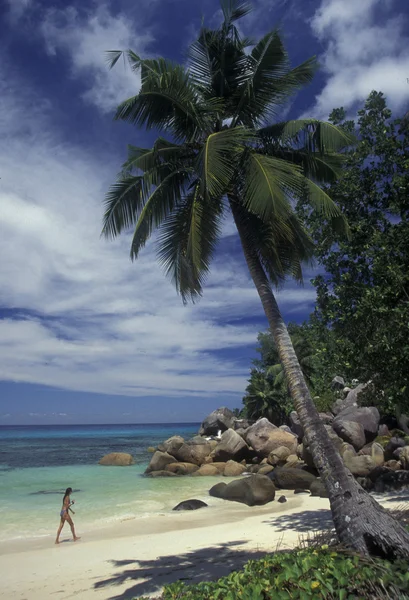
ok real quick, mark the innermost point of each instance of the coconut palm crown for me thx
(222, 154)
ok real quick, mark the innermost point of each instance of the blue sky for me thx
(85, 335)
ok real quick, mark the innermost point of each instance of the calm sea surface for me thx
(38, 463)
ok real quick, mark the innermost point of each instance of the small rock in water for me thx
(190, 505)
(282, 499)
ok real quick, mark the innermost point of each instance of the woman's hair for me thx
(68, 491)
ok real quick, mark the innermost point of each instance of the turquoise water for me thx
(38, 463)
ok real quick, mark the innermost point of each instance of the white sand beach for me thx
(138, 556)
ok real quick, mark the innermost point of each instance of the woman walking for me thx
(65, 516)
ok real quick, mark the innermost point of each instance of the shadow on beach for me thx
(149, 576)
(304, 521)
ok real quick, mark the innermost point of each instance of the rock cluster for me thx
(275, 457)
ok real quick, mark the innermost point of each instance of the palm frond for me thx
(158, 206)
(268, 181)
(187, 241)
(123, 204)
(321, 202)
(217, 161)
(167, 100)
(309, 134)
(162, 151)
(233, 10)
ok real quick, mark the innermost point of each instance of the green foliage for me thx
(361, 323)
(267, 393)
(303, 574)
(220, 157)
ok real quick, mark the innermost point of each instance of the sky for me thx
(87, 336)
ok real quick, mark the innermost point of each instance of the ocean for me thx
(37, 464)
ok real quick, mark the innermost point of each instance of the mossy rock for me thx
(383, 440)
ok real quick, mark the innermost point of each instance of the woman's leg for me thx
(57, 539)
(70, 521)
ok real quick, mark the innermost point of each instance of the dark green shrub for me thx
(303, 575)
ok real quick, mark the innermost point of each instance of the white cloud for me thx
(363, 52)
(85, 318)
(86, 40)
(17, 8)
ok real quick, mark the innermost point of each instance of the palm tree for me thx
(222, 157)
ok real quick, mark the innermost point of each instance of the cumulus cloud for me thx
(365, 48)
(85, 40)
(17, 8)
(80, 315)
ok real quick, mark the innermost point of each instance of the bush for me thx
(303, 574)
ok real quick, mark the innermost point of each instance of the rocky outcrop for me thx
(233, 469)
(171, 445)
(159, 461)
(264, 438)
(117, 459)
(194, 451)
(351, 399)
(360, 466)
(367, 416)
(317, 488)
(190, 505)
(279, 455)
(296, 426)
(181, 468)
(337, 383)
(231, 447)
(220, 419)
(350, 431)
(291, 479)
(206, 471)
(254, 490)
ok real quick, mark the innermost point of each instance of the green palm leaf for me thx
(218, 159)
(158, 207)
(187, 240)
(307, 133)
(123, 204)
(162, 151)
(321, 202)
(268, 181)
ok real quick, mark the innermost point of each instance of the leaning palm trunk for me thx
(360, 522)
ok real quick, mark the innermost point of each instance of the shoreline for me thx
(134, 558)
(138, 556)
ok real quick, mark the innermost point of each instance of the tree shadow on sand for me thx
(149, 576)
(304, 522)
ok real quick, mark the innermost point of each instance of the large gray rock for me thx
(391, 447)
(264, 437)
(190, 505)
(181, 468)
(217, 491)
(288, 478)
(234, 469)
(254, 490)
(360, 466)
(194, 451)
(404, 457)
(317, 488)
(172, 444)
(350, 431)
(220, 419)
(350, 400)
(367, 416)
(117, 459)
(243, 423)
(159, 461)
(337, 383)
(231, 447)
